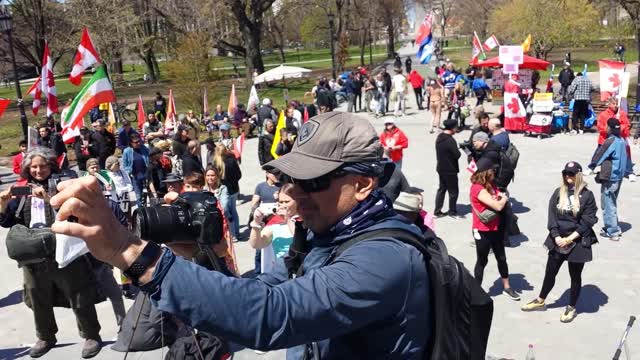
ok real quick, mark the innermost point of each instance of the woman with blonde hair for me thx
(230, 173)
(572, 215)
(486, 204)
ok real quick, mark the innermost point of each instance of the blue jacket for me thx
(449, 79)
(349, 87)
(127, 158)
(124, 136)
(479, 84)
(370, 303)
(612, 159)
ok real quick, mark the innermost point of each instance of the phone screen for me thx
(21, 190)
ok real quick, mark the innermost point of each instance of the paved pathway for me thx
(610, 286)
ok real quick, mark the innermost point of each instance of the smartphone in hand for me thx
(19, 191)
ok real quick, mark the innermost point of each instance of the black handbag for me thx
(30, 245)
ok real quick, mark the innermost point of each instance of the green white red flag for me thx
(478, 51)
(97, 91)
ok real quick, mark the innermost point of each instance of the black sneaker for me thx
(453, 215)
(512, 294)
(439, 214)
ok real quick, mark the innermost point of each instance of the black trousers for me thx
(490, 240)
(448, 183)
(554, 262)
(580, 113)
(358, 101)
(418, 92)
(481, 94)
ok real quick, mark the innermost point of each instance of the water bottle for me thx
(530, 354)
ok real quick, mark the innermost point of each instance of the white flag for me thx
(254, 100)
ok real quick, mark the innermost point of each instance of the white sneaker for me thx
(580, 131)
(260, 352)
(573, 132)
(588, 172)
(632, 177)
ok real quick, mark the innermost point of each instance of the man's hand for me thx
(107, 240)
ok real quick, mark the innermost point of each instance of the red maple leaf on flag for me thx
(615, 80)
(514, 106)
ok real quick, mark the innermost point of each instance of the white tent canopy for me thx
(281, 72)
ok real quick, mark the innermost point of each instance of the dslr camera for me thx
(193, 217)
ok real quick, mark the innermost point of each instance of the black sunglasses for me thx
(318, 184)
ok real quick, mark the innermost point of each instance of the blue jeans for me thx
(234, 219)
(609, 200)
(138, 188)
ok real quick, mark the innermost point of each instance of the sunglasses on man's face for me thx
(318, 184)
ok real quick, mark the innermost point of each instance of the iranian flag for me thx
(86, 56)
(478, 51)
(97, 91)
(490, 43)
(611, 74)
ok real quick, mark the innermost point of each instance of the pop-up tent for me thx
(282, 72)
(529, 62)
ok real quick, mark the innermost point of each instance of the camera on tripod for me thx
(193, 217)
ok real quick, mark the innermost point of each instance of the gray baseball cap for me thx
(326, 142)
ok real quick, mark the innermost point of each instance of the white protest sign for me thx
(510, 54)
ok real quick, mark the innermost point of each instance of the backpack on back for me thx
(505, 173)
(461, 311)
(513, 154)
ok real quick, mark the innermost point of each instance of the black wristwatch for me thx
(147, 257)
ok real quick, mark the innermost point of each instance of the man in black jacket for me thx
(190, 160)
(266, 142)
(104, 141)
(447, 155)
(565, 78)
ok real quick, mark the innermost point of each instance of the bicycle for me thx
(126, 111)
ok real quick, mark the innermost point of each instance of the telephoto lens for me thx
(193, 217)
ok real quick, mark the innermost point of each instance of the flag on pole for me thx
(526, 45)
(472, 167)
(276, 137)
(233, 101)
(86, 56)
(611, 74)
(515, 113)
(238, 146)
(478, 51)
(36, 93)
(170, 121)
(490, 43)
(3, 105)
(254, 100)
(48, 82)
(424, 39)
(305, 115)
(205, 102)
(97, 91)
(111, 117)
(141, 115)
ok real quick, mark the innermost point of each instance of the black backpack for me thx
(461, 311)
(209, 347)
(505, 172)
(513, 154)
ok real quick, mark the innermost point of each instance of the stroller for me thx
(539, 123)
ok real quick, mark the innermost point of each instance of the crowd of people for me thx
(340, 179)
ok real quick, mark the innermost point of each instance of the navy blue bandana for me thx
(367, 213)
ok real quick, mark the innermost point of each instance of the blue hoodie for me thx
(612, 159)
(369, 303)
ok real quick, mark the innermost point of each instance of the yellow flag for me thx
(276, 137)
(526, 44)
(112, 120)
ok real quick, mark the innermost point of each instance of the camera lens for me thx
(158, 223)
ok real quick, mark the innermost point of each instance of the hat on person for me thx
(266, 101)
(225, 127)
(155, 151)
(390, 121)
(171, 178)
(327, 142)
(484, 164)
(450, 124)
(91, 162)
(480, 136)
(572, 167)
(613, 123)
(111, 160)
(408, 202)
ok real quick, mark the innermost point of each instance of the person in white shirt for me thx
(399, 87)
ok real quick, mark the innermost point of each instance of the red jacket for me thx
(625, 126)
(17, 161)
(394, 137)
(415, 79)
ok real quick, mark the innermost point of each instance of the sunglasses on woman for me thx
(318, 184)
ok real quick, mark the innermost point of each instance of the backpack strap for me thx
(383, 234)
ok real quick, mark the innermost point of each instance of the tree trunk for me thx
(148, 61)
(391, 46)
(363, 45)
(156, 67)
(253, 57)
(281, 50)
(116, 64)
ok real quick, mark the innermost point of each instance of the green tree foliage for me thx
(190, 70)
(314, 30)
(551, 23)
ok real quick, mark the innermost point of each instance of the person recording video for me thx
(362, 304)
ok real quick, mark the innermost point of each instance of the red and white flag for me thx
(472, 168)
(611, 76)
(238, 146)
(233, 101)
(48, 82)
(478, 51)
(36, 93)
(515, 113)
(141, 116)
(170, 121)
(490, 43)
(86, 56)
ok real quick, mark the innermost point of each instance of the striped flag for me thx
(36, 93)
(48, 82)
(478, 50)
(490, 43)
(97, 91)
(424, 39)
(86, 56)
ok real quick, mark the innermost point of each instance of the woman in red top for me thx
(393, 141)
(484, 195)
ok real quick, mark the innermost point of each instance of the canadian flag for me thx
(48, 82)
(472, 168)
(490, 43)
(611, 74)
(515, 114)
(36, 93)
(85, 57)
